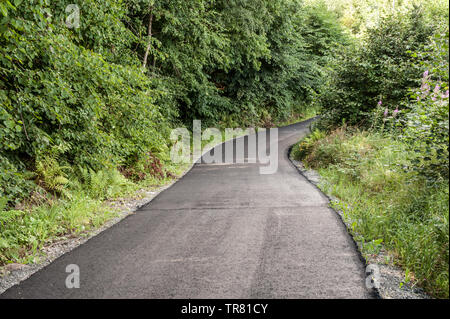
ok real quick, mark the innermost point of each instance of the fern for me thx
(101, 184)
(51, 176)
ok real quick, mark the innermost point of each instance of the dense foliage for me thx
(396, 80)
(377, 69)
(359, 16)
(105, 92)
(64, 101)
(425, 126)
(235, 62)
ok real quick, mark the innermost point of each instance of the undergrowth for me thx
(66, 205)
(384, 201)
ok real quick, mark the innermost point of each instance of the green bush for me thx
(426, 125)
(377, 69)
(61, 100)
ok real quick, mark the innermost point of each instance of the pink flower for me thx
(445, 95)
(425, 87)
(425, 74)
(379, 102)
(436, 89)
(395, 112)
(386, 112)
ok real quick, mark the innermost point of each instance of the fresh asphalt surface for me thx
(221, 231)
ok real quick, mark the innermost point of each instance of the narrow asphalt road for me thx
(222, 231)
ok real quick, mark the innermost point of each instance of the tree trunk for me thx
(144, 63)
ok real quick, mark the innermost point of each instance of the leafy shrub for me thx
(426, 126)
(15, 182)
(60, 98)
(378, 69)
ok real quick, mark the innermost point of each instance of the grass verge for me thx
(385, 203)
(77, 205)
(83, 208)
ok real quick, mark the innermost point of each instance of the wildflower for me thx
(425, 87)
(445, 95)
(395, 112)
(425, 74)
(386, 112)
(379, 102)
(436, 89)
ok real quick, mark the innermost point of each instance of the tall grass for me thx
(76, 208)
(384, 201)
(25, 232)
